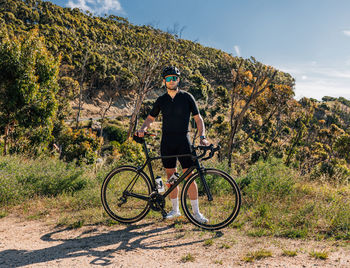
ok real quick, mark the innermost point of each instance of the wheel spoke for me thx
(125, 206)
(224, 207)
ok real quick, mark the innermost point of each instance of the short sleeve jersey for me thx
(176, 112)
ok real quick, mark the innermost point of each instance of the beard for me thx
(173, 87)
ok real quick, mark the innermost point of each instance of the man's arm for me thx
(201, 128)
(149, 120)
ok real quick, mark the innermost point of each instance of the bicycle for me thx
(128, 193)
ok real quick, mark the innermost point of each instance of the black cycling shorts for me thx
(173, 145)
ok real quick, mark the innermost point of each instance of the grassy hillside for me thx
(276, 200)
(107, 58)
(291, 158)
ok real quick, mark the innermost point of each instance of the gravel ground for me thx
(162, 244)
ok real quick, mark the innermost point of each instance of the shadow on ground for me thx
(131, 238)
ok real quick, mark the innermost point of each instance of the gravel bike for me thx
(128, 193)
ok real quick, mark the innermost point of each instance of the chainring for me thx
(157, 202)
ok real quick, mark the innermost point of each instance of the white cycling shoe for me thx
(200, 218)
(173, 214)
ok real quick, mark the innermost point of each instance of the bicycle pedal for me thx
(164, 214)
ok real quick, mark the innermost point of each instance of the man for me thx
(176, 106)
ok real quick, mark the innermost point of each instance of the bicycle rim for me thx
(117, 204)
(224, 207)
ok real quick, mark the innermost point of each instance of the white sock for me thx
(175, 203)
(195, 208)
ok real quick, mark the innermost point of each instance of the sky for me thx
(310, 39)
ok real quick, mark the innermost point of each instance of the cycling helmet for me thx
(170, 70)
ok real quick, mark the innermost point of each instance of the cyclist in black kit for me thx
(176, 107)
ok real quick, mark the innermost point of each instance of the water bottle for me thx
(160, 185)
(172, 179)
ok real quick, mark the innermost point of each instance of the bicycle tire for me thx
(120, 207)
(224, 207)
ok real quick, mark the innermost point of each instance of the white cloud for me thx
(97, 7)
(315, 81)
(109, 5)
(346, 32)
(330, 72)
(237, 51)
(81, 4)
(317, 89)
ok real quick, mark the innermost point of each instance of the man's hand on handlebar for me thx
(205, 149)
(140, 133)
(205, 142)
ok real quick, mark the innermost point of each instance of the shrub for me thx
(21, 179)
(268, 181)
(114, 133)
(80, 145)
(132, 152)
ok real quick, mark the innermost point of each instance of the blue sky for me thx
(310, 39)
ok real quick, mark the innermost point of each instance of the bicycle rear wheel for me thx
(122, 192)
(224, 207)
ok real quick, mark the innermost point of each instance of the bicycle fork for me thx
(205, 184)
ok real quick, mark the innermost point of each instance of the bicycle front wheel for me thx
(124, 194)
(225, 203)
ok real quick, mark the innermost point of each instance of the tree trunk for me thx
(6, 138)
(135, 113)
(104, 115)
(79, 107)
(230, 147)
(81, 82)
(291, 151)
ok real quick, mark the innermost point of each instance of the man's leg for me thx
(175, 212)
(193, 194)
(169, 173)
(193, 189)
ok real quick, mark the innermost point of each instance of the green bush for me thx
(80, 145)
(268, 181)
(334, 170)
(22, 179)
(131, 152)
(114, 133)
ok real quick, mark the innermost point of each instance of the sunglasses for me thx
(169, 78)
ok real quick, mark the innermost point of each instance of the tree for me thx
(147, 68)
(81, 87)
(110, 94)
(28, 84)
(300, 126)
(199, 86)
(250, 80)
(342, 146)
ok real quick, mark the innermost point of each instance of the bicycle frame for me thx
(182, 177)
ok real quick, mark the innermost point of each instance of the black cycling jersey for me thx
(176, 111)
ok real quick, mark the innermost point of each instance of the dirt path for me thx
(36, 244)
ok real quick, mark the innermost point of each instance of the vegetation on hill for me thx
(248, 107)
(51, 56)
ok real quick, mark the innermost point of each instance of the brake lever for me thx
(212, 151)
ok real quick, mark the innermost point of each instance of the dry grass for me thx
(322, 255)
(289, 253)
(257, 255)
(188, 258)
